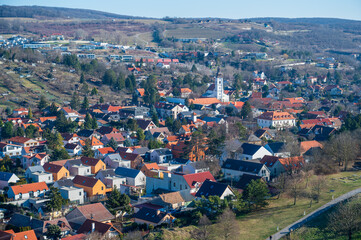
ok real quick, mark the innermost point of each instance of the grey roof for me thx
(141, 151)
(127, 172)
(114, 156)
(106, 173)
(210, 188)
(36, 169)
(253, 138)
(250, 149)
(163, 151)
(20, 220)
(5, 176)
(275, 147)
(150, 215)
(245, 179)
(243, 166)
(64, 183)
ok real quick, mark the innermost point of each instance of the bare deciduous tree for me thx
(228, 227)
(203, 232)
(346, 219)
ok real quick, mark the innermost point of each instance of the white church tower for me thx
(219, 88)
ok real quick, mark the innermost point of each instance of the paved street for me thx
(313, 214)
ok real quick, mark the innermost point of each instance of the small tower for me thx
(219, 86)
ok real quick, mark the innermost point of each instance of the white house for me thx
(211, 188)
(276, 119)
(234, 169)
(114, 160)
(12, 150)
(134, 177)
(27, 191)
(38, 174)
(7, 178)
(160, 155)
(73, 194)
(73, 149)
(250, 151)
(76, 167)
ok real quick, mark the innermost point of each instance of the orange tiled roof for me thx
(106, 150)
(151, 166)
(185, 90)
(141, 91)
(275, 115)
(307, 145)
(31, 187)
(95, 142)
(204, 101)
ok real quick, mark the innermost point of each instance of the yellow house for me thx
(91, 185)
(58, 171)
(95, 164)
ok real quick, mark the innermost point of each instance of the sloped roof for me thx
(11, 235)
(275, 115)
(100, 227)
(95, 211)
(118, 137)
(106, 150)
(245, 179)
(250, 149)
(85, 181)
(127, 172)
(89, 161)
(172, 198)
(276, 147)
(19, 139)
(307, 145)
(204, 101)
(5, 176)
(200, 177)
(210, 188)
(244, 166)
(269, 161)
(30, 187)
(150, 215)
(52, 168)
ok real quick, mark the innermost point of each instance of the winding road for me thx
(313, 214)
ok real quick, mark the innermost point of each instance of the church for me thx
(216, 90)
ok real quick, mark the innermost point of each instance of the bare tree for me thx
(346, 219)
(295, 188)
(228, 227)
(344, 148)
(213, 164)
(203, 232)
(135, 235)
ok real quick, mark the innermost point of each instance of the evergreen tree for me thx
(30, 113)
(53, 232)
(101, 99)
(53, 109)
(140, 134)
(155, 119)
(56, 200)
(7, 131)
(20, 132)
(87, 151)
(246, 112)
(30, 131)
(42, 103)
(88, 122)
(119, 83)
(256, 193)
(82, 78)
(151, 94)
(75, 101)
(109, 77)
(194, 68)
(85, 103)
(118, 202)
(94, 123)
(94, 91)
(59, 154)
(130, 83)
(113, 144)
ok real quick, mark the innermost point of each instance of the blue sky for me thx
(348, 9)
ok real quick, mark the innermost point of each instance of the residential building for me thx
(160, 155)
(152, 217)
(95, 164)
(234, 169)
(73, 194)
(38, 174)
(211, 188)
(105, 230)
(92, 186)
(7, 178)
(58, 171)
(12, 150)
(276, 119)
(134, 177)
(27, 191)
(95, 211)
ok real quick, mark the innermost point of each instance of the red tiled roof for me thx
(85, 181)
(275, 115)
(89, 161)
(194, 178)
(105, 150)
(52, 168)
(97, 211)
(31, 187)
(19, 139)
(80, 236)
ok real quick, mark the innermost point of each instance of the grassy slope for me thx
(281, 212)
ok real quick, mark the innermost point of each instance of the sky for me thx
(347, 9)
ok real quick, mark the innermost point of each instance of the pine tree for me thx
(42, 103)
(85, 104)
(88, 122)
(30, 113)
(246, 112)
(113, 144)
(7, 131)
(53, 109)
(194, 68)
(140, 134)
(94, 91)
(82, 78)
(117, 201)
(75, 101)
(87, 151)
(101, 99)
(94, 123)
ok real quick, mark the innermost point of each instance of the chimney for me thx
(93, 227)
(194, 117)
(91, 216)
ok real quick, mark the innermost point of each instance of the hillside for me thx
(56, 12)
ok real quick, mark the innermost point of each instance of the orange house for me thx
(91, 185)
(58, 171)
(95, 164)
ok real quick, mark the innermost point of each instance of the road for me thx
(313, 214)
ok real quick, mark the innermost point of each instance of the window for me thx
(79, 193)
(173, 184)
(102, 188)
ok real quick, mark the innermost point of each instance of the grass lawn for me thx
(281, 212)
